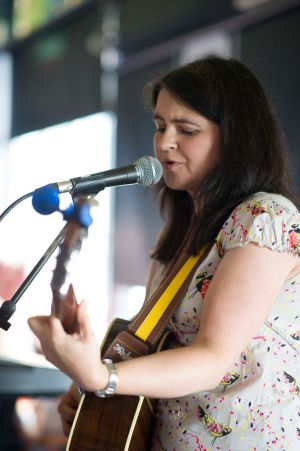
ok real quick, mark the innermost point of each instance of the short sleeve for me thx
(268, 220)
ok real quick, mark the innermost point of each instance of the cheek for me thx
(212, 152)
(212, 157)
(202, 162)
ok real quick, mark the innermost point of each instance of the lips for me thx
(170, 164)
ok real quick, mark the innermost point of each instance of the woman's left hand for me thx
(77, 354)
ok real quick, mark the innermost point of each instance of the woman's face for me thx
(185, 142)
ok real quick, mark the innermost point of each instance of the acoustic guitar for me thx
(118, 423)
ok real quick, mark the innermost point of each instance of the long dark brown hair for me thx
(253, 154)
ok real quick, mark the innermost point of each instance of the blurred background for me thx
(71, 77)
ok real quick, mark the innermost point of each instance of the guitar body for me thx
(118, 423)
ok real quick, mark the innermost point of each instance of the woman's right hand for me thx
(67, 408)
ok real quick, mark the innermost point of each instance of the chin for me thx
(177, 184)
(176, 187)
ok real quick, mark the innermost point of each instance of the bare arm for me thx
(233, 310)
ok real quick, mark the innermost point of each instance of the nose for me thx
(168, 139)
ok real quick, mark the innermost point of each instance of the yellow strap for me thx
(166, 298)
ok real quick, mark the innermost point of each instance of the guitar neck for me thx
(65, 308)
(64, 304)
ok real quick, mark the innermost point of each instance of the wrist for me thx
(112, 380)
(96, 378)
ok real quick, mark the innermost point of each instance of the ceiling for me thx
(142, 23)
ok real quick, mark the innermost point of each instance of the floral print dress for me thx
(256, 406)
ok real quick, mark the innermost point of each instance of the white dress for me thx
(256, 406)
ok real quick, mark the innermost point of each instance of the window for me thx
(77, 148)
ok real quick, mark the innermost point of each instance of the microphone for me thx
(145, 171)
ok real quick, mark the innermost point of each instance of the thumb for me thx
(38, 324)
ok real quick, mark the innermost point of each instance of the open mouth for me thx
(169, 164)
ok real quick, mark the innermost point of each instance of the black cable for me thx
(14, 204)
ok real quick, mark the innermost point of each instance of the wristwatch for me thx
(113, 379)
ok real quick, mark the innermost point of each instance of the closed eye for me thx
(159, 130)
(189, 132)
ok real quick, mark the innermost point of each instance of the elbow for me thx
(214, 380)
(211, 369)
(218, 371)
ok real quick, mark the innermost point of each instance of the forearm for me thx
(167, 374)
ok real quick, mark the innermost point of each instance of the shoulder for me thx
(271, 202)
(267, 219)
(264, 205)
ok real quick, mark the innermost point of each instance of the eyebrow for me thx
(181, 120)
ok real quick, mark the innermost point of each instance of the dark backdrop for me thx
(56, 78)
(271, 49)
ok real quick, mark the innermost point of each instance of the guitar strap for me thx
(145, 330)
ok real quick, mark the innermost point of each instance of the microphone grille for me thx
(149, 169)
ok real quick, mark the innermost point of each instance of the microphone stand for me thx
(8, 308)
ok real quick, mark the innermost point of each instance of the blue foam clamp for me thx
(45, 200)
(80, 213)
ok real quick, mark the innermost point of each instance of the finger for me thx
(71, 293)
(38, 324)
(75, 394)
(67, 408)
(66, 427)
(69, 401)
(56, 327)
(67, 412)
(83, 320)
